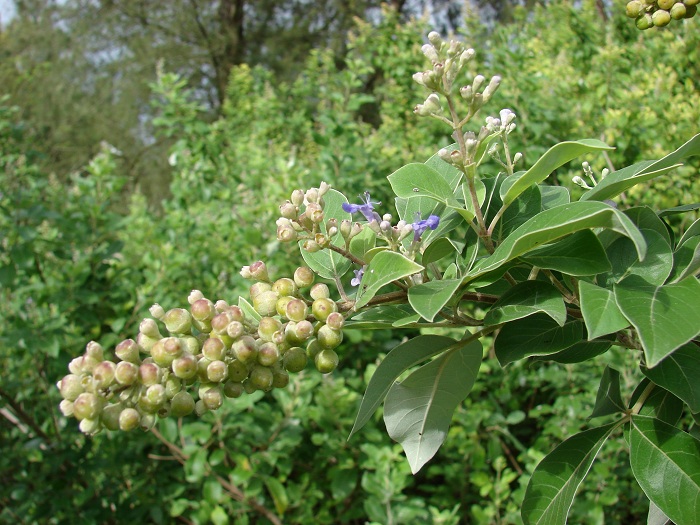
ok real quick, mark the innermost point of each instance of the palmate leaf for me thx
(418, 411)
(666, 463)
(396, 362)
(556, 478)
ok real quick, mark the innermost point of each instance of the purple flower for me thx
(358, 277)
(366, 209)
(419, 226)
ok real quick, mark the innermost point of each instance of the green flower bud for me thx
(634, 8)
(313, 348)
(203, 310)
(319, 291)
(266, 303)
(156, 311)
(90, 426)
(156, 395)
(147, 422)
(329, 338)
(286, 231)
(160, 356)
(149, 328)
(661, 18)
(129, 419)
(281, 305)
(172, 386)
(233, 389)
(185, 366)
(88, 364)
(66, 407)
(311, 246)
(326, 361)
(294, 360)
(71, 387)
(214, 349)
(285, 286)
(665, 4)
(126, 373)
(322, 308)
(178, 321)
(235, 329)
(246, 349)
(346, 229)
(268, 354)
(87, 406)
(213, 397)
(261, 378)
(145, 343)
(182, 404)
(237, 371)
(95, 351)
(296, 310)
(259, 288)
(217, 371)
(149, 374)
(267, 326)
(280, 378)
(335, 320)
(128, 350)
(678, 11)
(110, 416)
(645, 21)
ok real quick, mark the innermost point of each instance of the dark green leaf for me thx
(645, 219)
(680, 209)
(418, 411)
(429, 298)
(361, 243)
(278, 493)
(527, 298)
(578, 254)
(382, 316)
(679, 373)
(659, 403)
(600, 311)
(579, 352)
(692, 231)
(526, 206)
(442, 247)
(686, 260)
(554, 196)
(608, 399)
(656, 266)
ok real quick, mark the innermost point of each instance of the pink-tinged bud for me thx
(246, 349)
(335, 320)
(217, 371)
(185, 366)
(220, 322)
(259, 271)
(178, 321)
(303, 277)
(103, 374)
(288, 210)
(266, 303)
(95, 351)
(87, 406)
(213, 398)
(268, 354)
(71, 387)
(129, 419)
(267, 326)
(286, 233)
(303, 330)
(128, 350)
(259, 288)
(297, 310)
(281, 305)
(149, 374)
(195, 295)
(126, 373)
(237, 371)
(323, 188)
(320, 291)
(221, 306)
(149, 328)
(214, 349)
(157, 311)
(315, 213)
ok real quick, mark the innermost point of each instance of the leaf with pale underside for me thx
(527, 298)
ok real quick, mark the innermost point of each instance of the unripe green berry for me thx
(691, 3)
(237, 371)
(267, 326)
(661, 18)
(172, 386)
(322, 307)
(178, 321)
(110, 416)
(268, 354)
(233, 389)
(149, 328)
(214, 349)
(217, 371)
(246, 349)
(634, 8)
(156, 395)
(280, 378)
(296, 310)
(213, 397)
(644, 21)
(129, 419)
(326, 361)
(665, 4)
(303, 277)
(235, 330)
(185, 366)
(248, 387)
(335, 320)
(678, 11)
(259, 288)
(126, 373)
(71, 387)
(261, 378)
(285, 286)
(265, 303)
(182, 404)
(313, 348)
(128, 350)
(281, 305)
(690, 10)
(90, 426)
(294, 359)
(87, 406)
(147, 422)
(329, 338)
(200, 408)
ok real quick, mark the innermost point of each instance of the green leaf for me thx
(448, 172)
(579, 352)
(666, 463)
(429, 298)
(384, 268)
(535, 335)
(656, 516)
(600, 311)
(555, 157)
(382, 316)
(623, 179)
(679, 209)
(218, 516)
(692, 231)
(656, 266)
(645, 219)
(666, 317)
(418, 180)
(418, 411)
(363, 242)
(519, 212)
(396, 362)
(678, 373)
(248, 309)
(660, 403)
(278, 493)
(552, 487)
(326, 263)
(686, 260)
(608, 399)
(555, 223)
(442, 247)
(527, 298)
(578, 254)
(554, 196)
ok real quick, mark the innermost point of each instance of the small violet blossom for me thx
(419, 226)
(366, 209)
(358, 277)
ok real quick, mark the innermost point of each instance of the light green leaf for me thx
(578, 254)
(278, 493)
(467, 211)
(537, 335)
(666, 463)
(679, 373)
(448, 172)
(554, 196)
(396, 362)
(418, 411)
(656, 516)
(608, 399)
(363, 242)
(686, 260)
(656, 266)
(623, 179)
(527, 298)
(679, 209)
(418, 180)
(428, 298)
(645, 219)
(382, 316)
(692, 231)
(555, 223)
(600, 311)
(552, 487)
(555, 157)
(666, 317)
(384, 268)
(248, 309)
(442, 247)
(218, 516)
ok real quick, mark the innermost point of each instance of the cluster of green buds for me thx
(189, 360)
(659, 13)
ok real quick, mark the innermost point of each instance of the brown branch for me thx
(23, 416)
